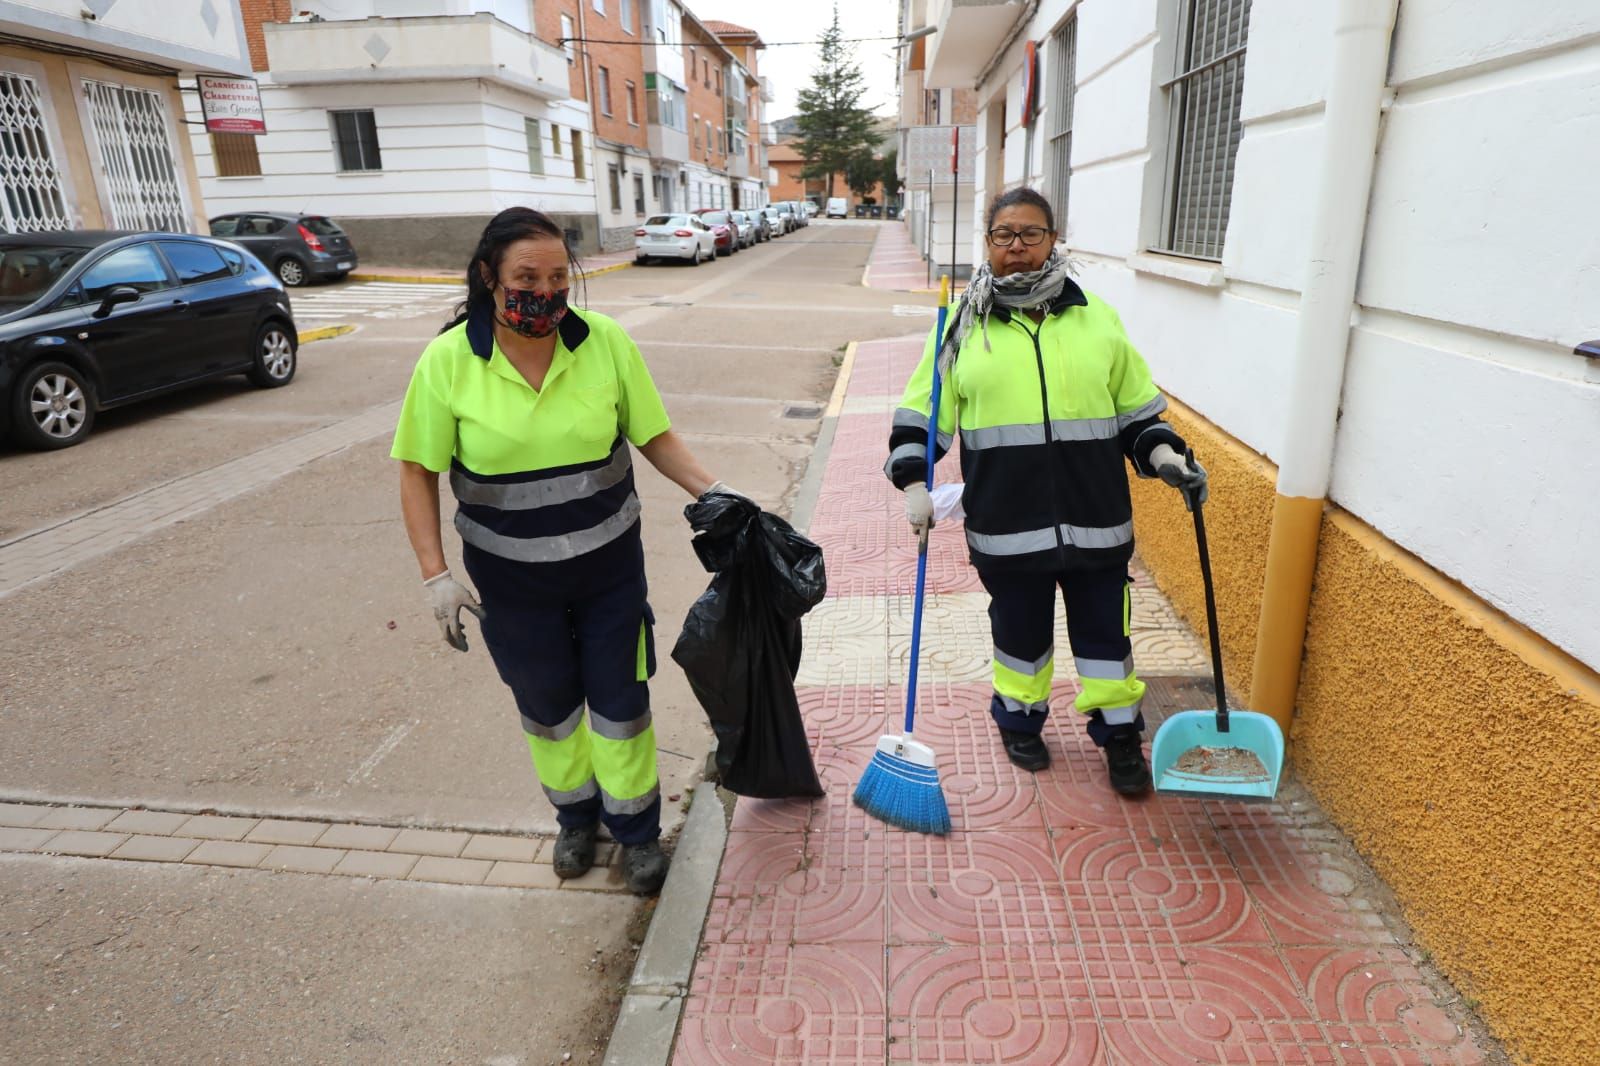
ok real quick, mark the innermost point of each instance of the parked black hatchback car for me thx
(92, 320)
(297, 248)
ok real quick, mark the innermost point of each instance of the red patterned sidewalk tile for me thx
(995, 888)
(798, 888)
(756, 1004)
(1010, 1003)
(770, 815)
(1300, 900)
(845, 717)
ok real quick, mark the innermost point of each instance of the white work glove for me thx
(447, 597)
(724, 488)
(1183, 473)
(919, 508)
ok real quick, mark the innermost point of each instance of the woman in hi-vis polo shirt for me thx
(531, 405)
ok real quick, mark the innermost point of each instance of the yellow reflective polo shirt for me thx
(466, 401)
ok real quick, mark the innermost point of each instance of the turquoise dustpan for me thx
(1213, 772)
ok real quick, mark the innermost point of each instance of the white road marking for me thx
(390, 742)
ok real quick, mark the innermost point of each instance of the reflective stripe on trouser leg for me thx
(563, 761)
(616, 655)
(1098, 626)
(1022, 621)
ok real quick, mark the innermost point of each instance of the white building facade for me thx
(410, 129)
(1359, 244)
(91, 110)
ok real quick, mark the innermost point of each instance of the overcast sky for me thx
(790, 67)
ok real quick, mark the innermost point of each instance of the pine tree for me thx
(834, 127)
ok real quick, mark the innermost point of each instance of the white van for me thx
(837, 207)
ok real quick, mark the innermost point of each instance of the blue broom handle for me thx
(922, 542)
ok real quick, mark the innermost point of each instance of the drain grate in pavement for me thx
(802, 410)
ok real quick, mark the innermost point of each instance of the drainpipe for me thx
(1362, 32)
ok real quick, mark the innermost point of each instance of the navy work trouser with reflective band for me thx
(566, 639)
(1022, 620)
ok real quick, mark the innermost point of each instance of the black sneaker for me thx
(1026, 750)
(574, 853)
(1130, 774)
(644, 868)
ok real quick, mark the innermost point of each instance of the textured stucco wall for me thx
(1459, 750)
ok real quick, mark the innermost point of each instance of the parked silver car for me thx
(746, 226)
(674, 237)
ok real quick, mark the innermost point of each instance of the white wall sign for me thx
(231, 105)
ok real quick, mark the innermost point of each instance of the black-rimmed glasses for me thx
(1031, 236)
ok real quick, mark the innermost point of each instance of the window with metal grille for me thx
(638, 194)
(577, 154)
(355, 140)
(1205, 129)
(530, 130)
(605, 91)
(235, 155)
(33, 197)
(1063, 85)
(614, 178)
(141, 173)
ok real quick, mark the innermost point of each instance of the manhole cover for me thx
(801, 410)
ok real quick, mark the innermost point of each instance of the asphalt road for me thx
(271, 655)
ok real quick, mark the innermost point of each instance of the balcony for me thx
(767, 94)
(970, 32)
(433, 48)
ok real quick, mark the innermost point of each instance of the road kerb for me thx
(650, 1010)
(322, 333)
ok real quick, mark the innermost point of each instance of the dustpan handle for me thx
(1197, 508)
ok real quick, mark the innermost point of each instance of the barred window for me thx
(355, 140)
(1063, 86)
(1205, 128)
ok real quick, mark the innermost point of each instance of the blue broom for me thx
(901, 784)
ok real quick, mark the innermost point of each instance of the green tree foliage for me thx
(889, 165)
(834, 127)
(862, 172)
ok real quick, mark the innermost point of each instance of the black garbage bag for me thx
(740, 645)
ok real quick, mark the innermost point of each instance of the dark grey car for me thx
(297, 248)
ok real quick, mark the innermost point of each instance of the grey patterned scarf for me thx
(1027, 291)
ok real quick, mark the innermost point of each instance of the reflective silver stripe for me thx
(528, 495)
(605, 727)
(1119, 715)
(1098, 536)
(586, 791)
(1149, 410)
(910, 418)
(628, 806)
(1027, 669)
(1034, 540)
(1018, 707)
(1105, 669)
(550, 549)
(1083, 428)
(554, 733)
(1002, 436)
(919, 452)
(1138, 468)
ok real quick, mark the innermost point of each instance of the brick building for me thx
(706, 68)
(747, 95)
(613, 33)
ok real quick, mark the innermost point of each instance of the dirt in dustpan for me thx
(1236, 763)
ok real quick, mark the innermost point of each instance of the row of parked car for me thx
(698, 236)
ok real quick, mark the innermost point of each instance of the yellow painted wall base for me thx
(1285, 602)
(1459, 750)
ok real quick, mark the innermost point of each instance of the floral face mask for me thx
(534, 314)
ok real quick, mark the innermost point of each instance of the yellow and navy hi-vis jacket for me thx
(1046, 418)
(541, 476)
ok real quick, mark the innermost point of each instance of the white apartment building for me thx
(91, 110)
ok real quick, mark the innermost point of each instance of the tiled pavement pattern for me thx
(350, 849)
(38, 553)
(895, 263)
(1057, 923)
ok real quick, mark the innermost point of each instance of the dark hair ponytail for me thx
(1020, 195)
(509, 226)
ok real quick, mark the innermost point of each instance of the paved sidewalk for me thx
(896, 265)
(1058, 923)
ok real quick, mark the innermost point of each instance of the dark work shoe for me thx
(574, 853)
(1130, 774)
(1026, 750)
(644, 868)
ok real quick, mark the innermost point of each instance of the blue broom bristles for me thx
(903, 794)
